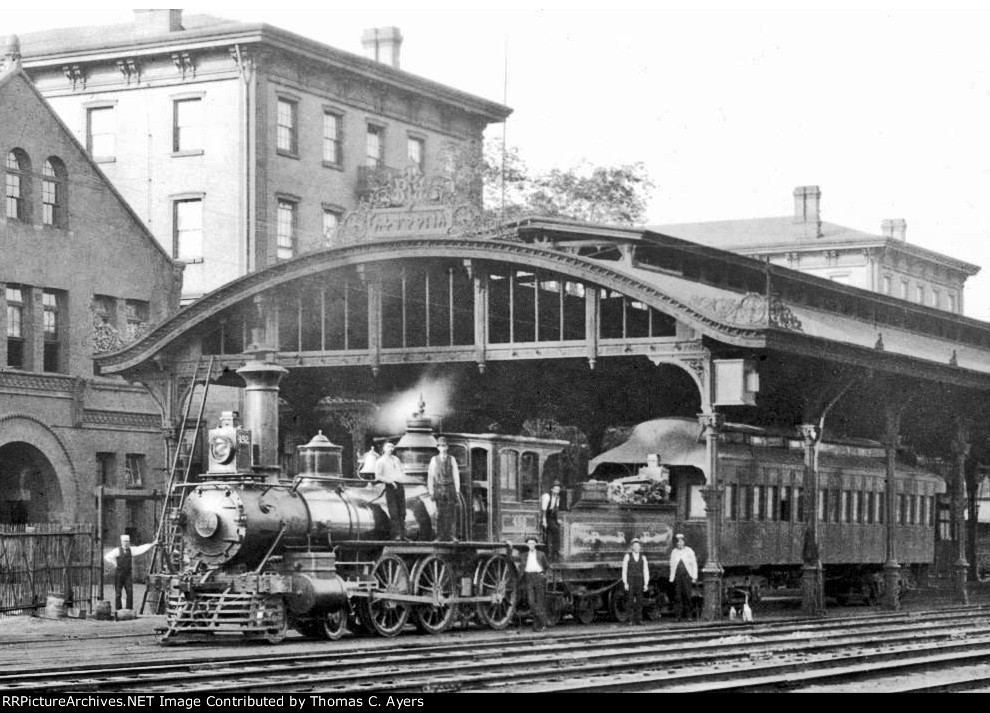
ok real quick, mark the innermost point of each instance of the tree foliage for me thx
(598, 194)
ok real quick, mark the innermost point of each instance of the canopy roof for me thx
(675, 440)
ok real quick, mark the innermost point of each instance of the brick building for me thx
(79, 274)
(242, 144)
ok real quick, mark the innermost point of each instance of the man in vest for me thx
(683, 574)
(549, 504)
(444, 483)
(635, 579)
(535, 568)
(121, 558)
(389, 470)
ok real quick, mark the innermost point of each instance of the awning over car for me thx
(676, 440)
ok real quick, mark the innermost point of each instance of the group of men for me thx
(443, 481)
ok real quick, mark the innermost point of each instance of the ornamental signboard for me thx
(408, 203)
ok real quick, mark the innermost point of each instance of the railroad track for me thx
(780, 655)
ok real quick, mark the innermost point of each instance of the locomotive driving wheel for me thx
(498, 579)
(432, 577)
(387, 616)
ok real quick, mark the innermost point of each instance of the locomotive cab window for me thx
(508, 474)
(529, 476)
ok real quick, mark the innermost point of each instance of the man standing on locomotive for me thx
(389, 470)
(635, 579)
(549, 504)
(683, 573)
(444, 483)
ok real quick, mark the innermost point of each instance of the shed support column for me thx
(711, 424)
(960, 450)
(891, 569)
(812, 580)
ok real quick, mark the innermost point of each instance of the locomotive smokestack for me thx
(261, 409)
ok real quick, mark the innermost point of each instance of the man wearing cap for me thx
(121, 558)
(444, 483)
(549, 504)
(534, 580)
(389, 470)
(683, 573)
(635, 579)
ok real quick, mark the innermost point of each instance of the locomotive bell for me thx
(319, 458)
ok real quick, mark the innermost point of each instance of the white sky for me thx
(884, 105)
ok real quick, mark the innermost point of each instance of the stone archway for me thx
(29, 489)
(37, 479)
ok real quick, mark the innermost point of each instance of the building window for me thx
(15, 326)
(52, 328)
(375, 151)
(887, 284)
(285, 238)
(331, 224)
(187, 125)
(106, 465)
(53, 184)
(951, 299)
(101, 132)
(919, 294)
(104, 307)
(286, 138)
(841, 277)
(188, 230)
(332, 148)
(137, 319)
(18, 182)
(935, 298)
(134, 470)
(416, 152)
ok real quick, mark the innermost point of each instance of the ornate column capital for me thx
(810, 433)
(711, 423)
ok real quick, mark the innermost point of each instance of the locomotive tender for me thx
(262, 553)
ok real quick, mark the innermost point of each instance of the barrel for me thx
(55, 606)
(102, 610)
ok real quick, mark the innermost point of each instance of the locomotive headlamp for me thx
(221, 449)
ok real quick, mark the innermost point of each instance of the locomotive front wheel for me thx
(334, 624)
(432, 577)
(387, 616)
(497, 579)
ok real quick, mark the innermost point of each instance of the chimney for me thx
(382, 44)
(894, 229)
(158, 21)
(807, 211)
(11, 59)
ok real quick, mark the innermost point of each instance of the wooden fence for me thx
(47, 558)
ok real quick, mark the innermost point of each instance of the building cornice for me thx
(220, 38)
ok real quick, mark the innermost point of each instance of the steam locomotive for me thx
(261, 553)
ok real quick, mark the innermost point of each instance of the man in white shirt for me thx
(389, 470)
(683, 573)
(443, 480)
(534, 580)
(635, 579)
(549, 505)
(121, 559)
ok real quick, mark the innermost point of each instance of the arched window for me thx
(18, 186)
(54, 194)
